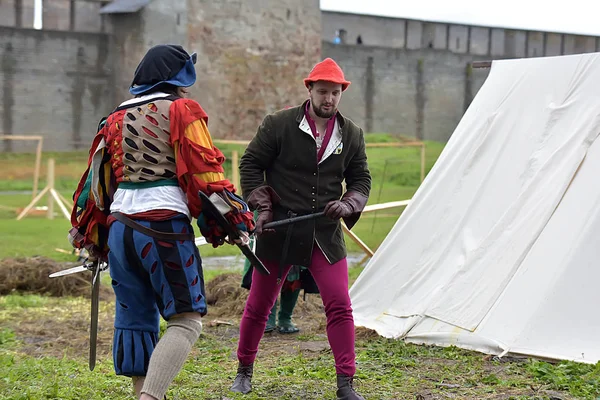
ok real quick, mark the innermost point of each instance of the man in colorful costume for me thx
(150, 158)
(295, 165)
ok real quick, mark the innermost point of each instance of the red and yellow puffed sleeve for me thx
(199, 163)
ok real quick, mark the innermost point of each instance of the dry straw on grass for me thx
(30, 275)
(227, 298)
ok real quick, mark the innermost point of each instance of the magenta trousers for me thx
(332, 280)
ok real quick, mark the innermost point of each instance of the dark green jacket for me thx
(286, 155)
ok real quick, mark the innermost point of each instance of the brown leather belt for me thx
(151, 232)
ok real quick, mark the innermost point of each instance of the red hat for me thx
(327, 70)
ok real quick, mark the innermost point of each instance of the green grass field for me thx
(395, 171)
(43, 340)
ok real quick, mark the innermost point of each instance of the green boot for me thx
(271, 324)
(288, 302)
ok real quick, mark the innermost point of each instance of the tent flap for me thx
(499, 247)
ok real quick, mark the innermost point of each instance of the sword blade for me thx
(69, 271)
(94, 314)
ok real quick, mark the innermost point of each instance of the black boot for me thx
(345, 390)
(243, 379)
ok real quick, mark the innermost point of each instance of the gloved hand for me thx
(92, 252)
(264, 217)
(351, 203)
(243, 240)
(338, 209)
(262, 200)
(211, 231)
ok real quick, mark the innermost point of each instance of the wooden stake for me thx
(38, 157)
(65, 201)
(379, 194)
(384, 206)
(50, 184)
(30, 205)
(22, 137)
(62, 207)
(226, 141)
(54, 196)
(364, 259)
(371, 208)
(235, 170)
(356, 239)
(38, 162)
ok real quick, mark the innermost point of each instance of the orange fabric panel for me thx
(199, 162)
(197, 132)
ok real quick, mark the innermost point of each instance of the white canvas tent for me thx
(499, 251)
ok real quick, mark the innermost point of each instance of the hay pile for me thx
(363, 333)
(225, 294)
(30, 275)
(227, 298)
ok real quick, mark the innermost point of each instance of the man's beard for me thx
(322, 113)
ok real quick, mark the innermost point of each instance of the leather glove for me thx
(264, 217)
(262, 200)
(338, 209)
(351, 203)
(210, 230)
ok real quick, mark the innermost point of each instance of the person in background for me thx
(337, 39)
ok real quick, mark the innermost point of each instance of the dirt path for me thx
(58, 326)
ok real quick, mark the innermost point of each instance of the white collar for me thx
(334, 142)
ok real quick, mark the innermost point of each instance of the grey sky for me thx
(573, 16)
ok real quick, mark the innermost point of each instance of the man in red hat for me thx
(295, 165)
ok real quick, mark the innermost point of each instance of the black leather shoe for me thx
(243, 379)
(345, 390)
